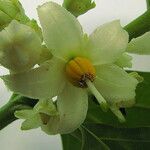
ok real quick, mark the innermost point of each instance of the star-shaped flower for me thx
(80, 64)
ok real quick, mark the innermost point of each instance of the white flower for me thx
(79, 63)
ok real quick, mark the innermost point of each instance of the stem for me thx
(16, 102)
(98, 96)
(139, 26)
(148, 4)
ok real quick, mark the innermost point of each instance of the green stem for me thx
(139, 26)
(148, 4)
(16, 102)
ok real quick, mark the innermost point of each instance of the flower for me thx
(39, 116)
(80, 64)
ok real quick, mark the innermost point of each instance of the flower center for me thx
(79, 70)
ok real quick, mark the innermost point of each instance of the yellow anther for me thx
(78, 70)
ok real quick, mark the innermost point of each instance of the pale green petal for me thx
(116, 86)
(61, 30)
(46, 106)
(32, 119)
(45, 54)
(140, 45)
(72, 107)
(24, 114)
(124, 60)
(107, 43)
(45, 81)
(31, 123)
(20, 47)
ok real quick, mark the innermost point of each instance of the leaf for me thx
(72, 141)
(90, 141)
(82, 139)
(121, 138)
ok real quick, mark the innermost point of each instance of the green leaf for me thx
(120, 138)
(72, 141)
(78, 7)
(90, 140)
(82, 139)
(105, 137)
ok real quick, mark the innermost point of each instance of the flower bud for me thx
(11, 10)
(78, 7)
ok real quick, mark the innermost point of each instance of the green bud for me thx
(10, 10)
(78, 7)
(20, 47)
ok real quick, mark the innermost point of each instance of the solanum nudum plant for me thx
(76, 66)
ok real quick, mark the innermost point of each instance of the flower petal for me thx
(31, 123)
(45, 81)
(24, 114)
(140, 45)
(72, 106)
(124, 60)
(32, 119)
(20, 47)
(61, 30)
(117, 86)
(107, 43)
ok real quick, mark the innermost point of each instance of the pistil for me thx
(97, 95)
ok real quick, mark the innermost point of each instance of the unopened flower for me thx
(11, 10)
(79, 64)
(78, 7)
(39, 116)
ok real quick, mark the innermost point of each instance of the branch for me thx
(16, 102)
(148, 4)
(139, 26)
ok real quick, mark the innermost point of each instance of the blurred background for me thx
(12, 138)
